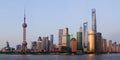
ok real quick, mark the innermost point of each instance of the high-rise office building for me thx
(104, 45)
(119, 48)
(51, 38)
(65, 38)
(110, 46)
(85, 36)
(73, 45)
(34, 46)
(79, 40)
(24, 43)
(51, 47)
(94, 26)
(114, 47)
(46, 44)
(18, 47)
(115, 44)
(8, 48)
(65, 31)
(40, 44)
(91, 41)
(68, 40)
(98, 42)
(60, 36)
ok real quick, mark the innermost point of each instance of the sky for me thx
(45, 17)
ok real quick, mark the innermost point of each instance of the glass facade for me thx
(79, 41)
(68, 40)
(98, 42)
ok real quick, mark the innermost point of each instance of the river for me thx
(61, 57)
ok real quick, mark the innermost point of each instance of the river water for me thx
(61, 57)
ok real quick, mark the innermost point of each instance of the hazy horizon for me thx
(45, 17)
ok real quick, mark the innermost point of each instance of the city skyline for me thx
(36, 24)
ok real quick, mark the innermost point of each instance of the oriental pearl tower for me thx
(24, 43)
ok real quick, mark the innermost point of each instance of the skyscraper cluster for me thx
(86, 41)
(89, 41)
(42, 44)
(64, 37)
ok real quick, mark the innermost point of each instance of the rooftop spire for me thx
(80, 29)
(24, 16)
(24, 24)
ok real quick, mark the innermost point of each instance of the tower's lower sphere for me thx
(24, 43)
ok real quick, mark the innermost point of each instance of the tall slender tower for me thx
(94, 26)
(85, 36)
(24, 43)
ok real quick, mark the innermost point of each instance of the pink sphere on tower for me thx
(24, 25)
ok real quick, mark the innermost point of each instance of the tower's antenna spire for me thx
(24, 15)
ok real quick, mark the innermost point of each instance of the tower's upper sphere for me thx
(24, 25)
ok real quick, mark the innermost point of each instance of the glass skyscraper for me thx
(85, 36)
(79, 40)
(98, 42)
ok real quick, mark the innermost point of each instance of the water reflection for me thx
(61, 57)
(91, 56)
